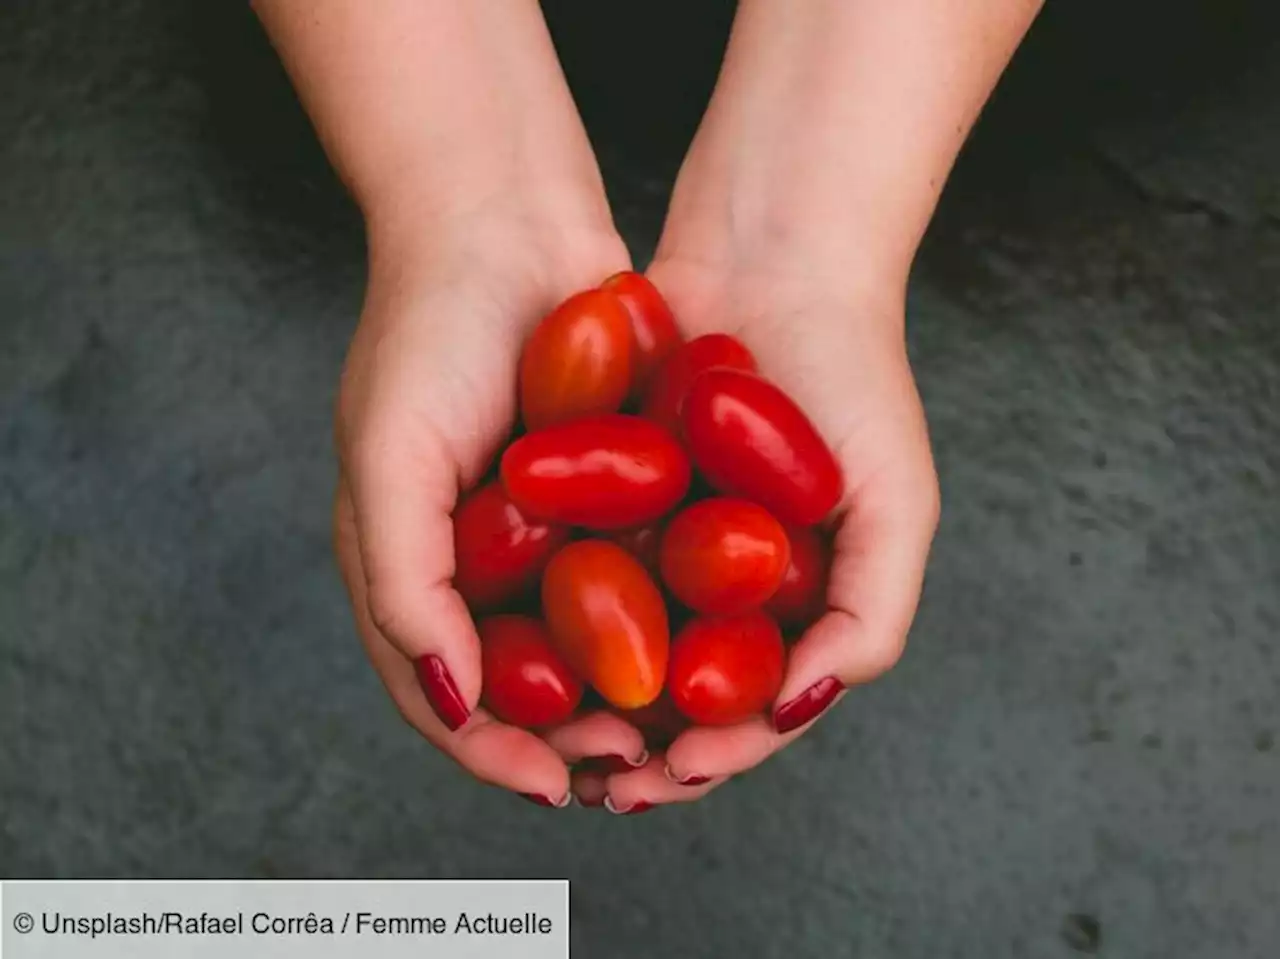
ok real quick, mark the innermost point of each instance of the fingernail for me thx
(639, 760)
(807, 706)
(687, 780)
(441, 691)
(540, 800)
(638, 808)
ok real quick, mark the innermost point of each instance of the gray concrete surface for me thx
(1079, 753)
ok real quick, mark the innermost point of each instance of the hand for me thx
(427, 399)
(840, 352)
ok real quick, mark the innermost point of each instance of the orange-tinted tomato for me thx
(607, 619)
(801, 599)
(726, 669)
(577, 361)
(526, 683)
(653, 327)
(671, 382)
(724, 556)
(498, 551)
(749, 439)
(605, 472)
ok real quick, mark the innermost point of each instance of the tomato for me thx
(659, 722)
(643, 543)
(499, 552)
(724, 555)
(726, 669)
(604, 472)
(801, 599)
(607, 619)
(749, 439)
(671, 382)
(526, 683)
(653, 328)
(577, 361)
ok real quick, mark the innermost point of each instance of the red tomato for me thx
(643, 543)
(653, 328)
(671, 382)
(577, 361)
(607, 619)
(526, 683)
(802, 598)
(499, 552)
(726, 669)
(604, 472)
(749, 439)
(724, 556)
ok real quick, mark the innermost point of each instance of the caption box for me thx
(487, 919)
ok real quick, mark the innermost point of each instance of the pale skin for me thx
(794, 223)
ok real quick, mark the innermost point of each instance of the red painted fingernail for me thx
(687, 780)
(441, 691)
(807, 705)
(638, 808)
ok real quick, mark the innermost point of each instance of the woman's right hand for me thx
(427, 399)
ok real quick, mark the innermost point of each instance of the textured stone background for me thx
(1079, 751)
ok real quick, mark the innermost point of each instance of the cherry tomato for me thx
(726, 669)
(607, 619)
(526, 683)
(724, 555)
(653, 328)
(659, 722)
(577, 361)
(643, 543)
(499, 553)
(802, 598)
(671, 382)
(604, 472)
(749, 439)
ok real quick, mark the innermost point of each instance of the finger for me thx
(598, 733)
(589, 789)
(881, 550)
(403, 483)
(493, 752)
(641, 789)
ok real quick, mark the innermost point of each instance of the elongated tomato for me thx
(577, 361)
(653, 328)
(726, 669)
(724, 555)
(749, 439)
(525, 682)
(671, 382)
(604, 472)
(499, 553)
(607, 619)
(801, 598)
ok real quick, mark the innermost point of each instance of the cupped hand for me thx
(427, 399)
(839, 351)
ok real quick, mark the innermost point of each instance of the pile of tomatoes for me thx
(654, 529)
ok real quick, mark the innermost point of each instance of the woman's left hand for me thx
(841, 354)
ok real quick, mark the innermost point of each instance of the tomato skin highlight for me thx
(671, 382)
(801, 598)
(577, 361)
(724, 556)
(653, 327)
(726, 669)
(607, 619)
(749, 439)
(526, 683)
(607, 472)
(499, 552)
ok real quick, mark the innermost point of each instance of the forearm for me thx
(835, 124)
(431, 109)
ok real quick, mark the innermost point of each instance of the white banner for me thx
(488, 919)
